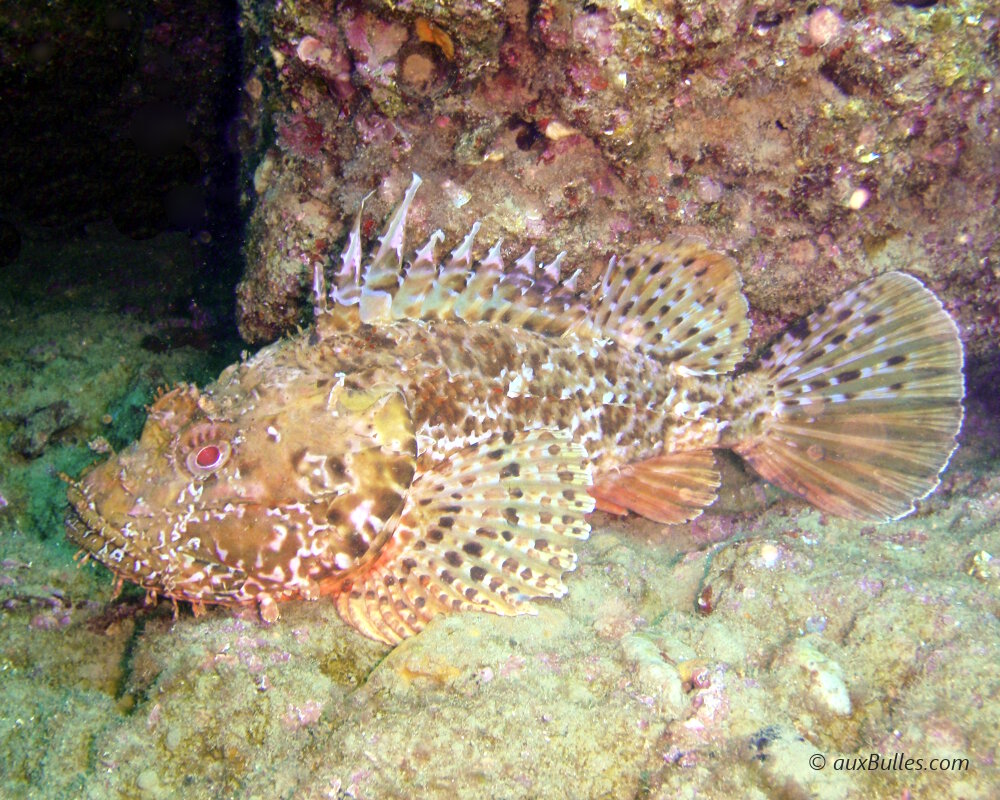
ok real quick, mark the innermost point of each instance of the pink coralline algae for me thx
(751, 125)
(303, 715)
(596, 31)
(329, 57)
(302, 135)
(375, 43)
(825, 25)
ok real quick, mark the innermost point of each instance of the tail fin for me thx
(862, 401)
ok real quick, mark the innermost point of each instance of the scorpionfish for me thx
(437, 438)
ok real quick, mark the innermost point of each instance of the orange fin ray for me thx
(670, 488)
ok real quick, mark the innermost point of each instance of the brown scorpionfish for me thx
(435, 442)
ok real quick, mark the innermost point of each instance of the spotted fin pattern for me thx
(677, 300)
(866, 401)
(491, 526)
(671, 488)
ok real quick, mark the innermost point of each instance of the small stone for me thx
(858, 199)
(709, 190)
(654, 676)
(148, 780)
(983, 566)
(262, 175)
(769, 554)
(173, 739)
(825, 686)
(790, 766)
(310, 49)
(557, 130)
(824, 26)
(254, 89)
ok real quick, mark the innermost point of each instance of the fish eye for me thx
(208, 458)
(204, 449)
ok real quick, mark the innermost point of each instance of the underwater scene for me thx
(473, 399)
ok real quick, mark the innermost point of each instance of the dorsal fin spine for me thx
(382, 275)
(527, 262)
(493, 258)
(428, 253)
(676, 300)
(391, 242)
(347, 282)
(461, 256)
(417, 282)
(553, 268)
(319, 289)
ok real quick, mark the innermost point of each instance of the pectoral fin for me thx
(487, 529)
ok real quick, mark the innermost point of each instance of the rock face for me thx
(818, 144)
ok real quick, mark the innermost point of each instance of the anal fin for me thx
(671, 488)
(490, 527)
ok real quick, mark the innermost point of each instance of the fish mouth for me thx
(86, 526)
(123, 551)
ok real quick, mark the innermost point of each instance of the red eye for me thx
(208, 456)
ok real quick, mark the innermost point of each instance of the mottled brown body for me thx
(272, 523)
(434, 443)
(465, 383)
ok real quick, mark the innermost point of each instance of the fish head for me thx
(293, 478)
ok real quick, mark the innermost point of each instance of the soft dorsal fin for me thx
(677, 300)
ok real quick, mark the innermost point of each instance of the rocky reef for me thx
(763, 665)
(818, 143)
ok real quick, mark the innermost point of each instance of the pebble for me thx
(826, 686)
(148, 780)
(173, 739)
(824, 25)
(769, 554)
(709, 190)
(654, 676)
(858, 199)
(557, 130)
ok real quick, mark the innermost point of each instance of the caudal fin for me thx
(858, 405)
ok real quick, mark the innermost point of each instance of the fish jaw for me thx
(158, 549)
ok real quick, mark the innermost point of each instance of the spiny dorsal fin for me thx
(491, 527)
(459, 288)
(381, 276)
(677, 300)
